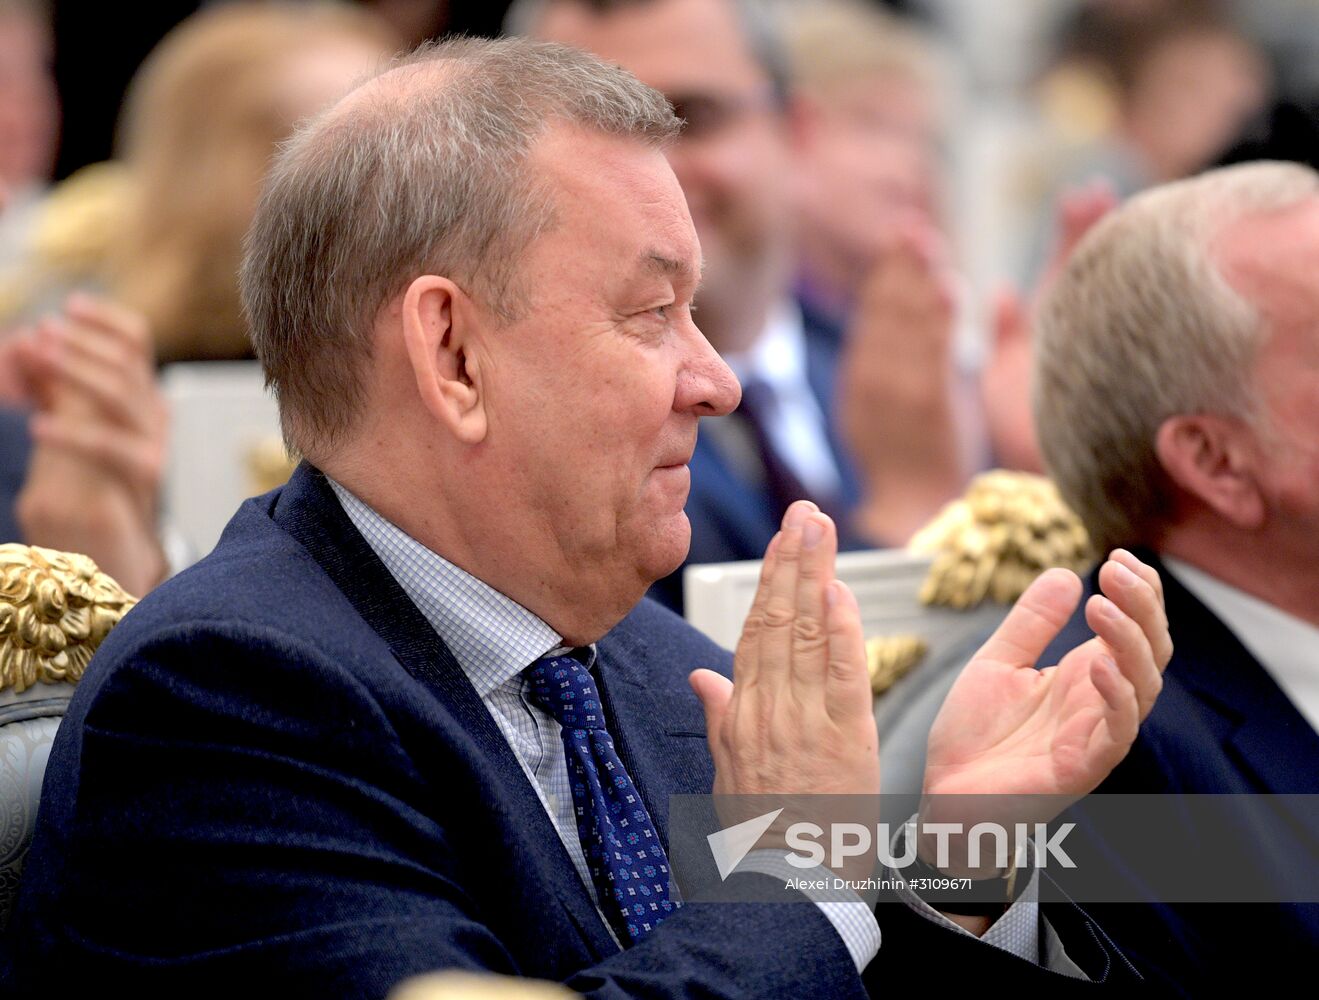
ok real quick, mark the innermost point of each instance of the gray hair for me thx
(758, 19)
(1142, 326)
(420, 171)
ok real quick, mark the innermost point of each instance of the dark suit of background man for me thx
(1178, 409)
(342, 749)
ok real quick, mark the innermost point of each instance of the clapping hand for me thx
(1047, 737)
(100, 430)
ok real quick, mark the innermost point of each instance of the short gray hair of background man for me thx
(1140, 327)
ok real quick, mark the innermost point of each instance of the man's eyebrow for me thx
(670, 267)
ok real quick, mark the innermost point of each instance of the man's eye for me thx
(661, 311)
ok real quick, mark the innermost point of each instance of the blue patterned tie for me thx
(623, 853)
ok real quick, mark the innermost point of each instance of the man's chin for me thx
(672, 542)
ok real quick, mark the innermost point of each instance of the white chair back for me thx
(221, 415)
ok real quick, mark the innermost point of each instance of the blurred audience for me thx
(159, 232)
(1182, 78)
(83, 431)
(1138, 93)
(29, 117)
(874, 269)
(1005, 380)
(160, 229)
(869, 93)
(413, 21)
(1178, 410)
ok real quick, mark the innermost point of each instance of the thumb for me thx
(1034, 621)
(715, 691)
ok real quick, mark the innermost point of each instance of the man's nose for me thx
(706, 384)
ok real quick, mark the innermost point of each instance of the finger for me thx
(136, 462)
(815, 571)
(1140, 601)
(96, 346)
(125, 325)
(115, 400)
(847, 686)
(1146, 572)
(923, 240)
(27, 368)
(1118, 693)
(131, 377)
(775, 632)
(1128, 646)
(1121, 705)
(1035, 620)
(746, 659)
(715, 691)
(930, 281)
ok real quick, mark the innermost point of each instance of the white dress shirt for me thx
(798, 432)
(1285, 646)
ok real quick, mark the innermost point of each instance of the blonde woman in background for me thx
(160, 228)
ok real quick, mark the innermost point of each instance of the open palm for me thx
(1009, 729)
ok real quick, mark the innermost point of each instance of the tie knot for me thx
(562, 686)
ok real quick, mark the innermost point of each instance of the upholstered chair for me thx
(55, 608)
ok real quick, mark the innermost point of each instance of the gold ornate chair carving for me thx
(55, 608)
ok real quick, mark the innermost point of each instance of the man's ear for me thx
(438, 330)
(1212, 458)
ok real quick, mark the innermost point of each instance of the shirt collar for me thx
(1285, 646)
(492, 637)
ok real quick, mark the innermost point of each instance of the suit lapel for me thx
(660, 735)
(310, 512)
(1264, 731)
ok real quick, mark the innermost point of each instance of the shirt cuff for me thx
(1017, 931)
(850, 916)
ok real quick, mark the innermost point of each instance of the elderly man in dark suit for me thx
(412, 712)
(1177, 403)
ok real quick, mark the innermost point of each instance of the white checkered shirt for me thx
(494, 639)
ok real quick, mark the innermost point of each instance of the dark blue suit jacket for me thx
(275, 777)
(1221, 725)
(734, 515)
(15, 450)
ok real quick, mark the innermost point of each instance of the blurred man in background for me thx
(869, 91)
